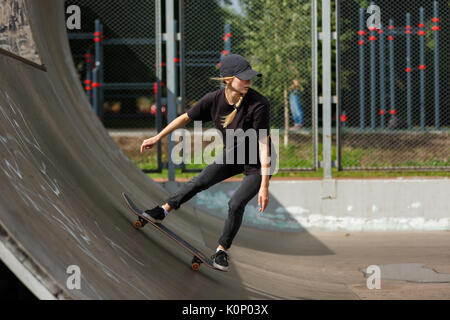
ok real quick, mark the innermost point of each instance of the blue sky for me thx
(236, 6)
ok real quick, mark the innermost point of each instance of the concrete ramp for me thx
(61, 177)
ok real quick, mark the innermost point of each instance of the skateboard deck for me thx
(198, 256)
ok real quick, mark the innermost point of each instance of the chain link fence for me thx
(274, 36)
(129, 57)
(395, 103)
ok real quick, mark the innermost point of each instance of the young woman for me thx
(237, 106)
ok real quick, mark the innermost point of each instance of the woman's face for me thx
(240, 86)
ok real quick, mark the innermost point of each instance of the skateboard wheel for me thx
(143, 222)
(137, 224)
(195, 263)
(195, 266)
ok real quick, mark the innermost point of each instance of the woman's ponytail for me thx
(226, 120)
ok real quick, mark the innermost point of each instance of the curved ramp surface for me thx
(61, 177)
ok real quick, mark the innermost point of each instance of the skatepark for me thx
(62, 177)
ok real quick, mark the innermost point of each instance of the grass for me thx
(353, 159)
(319, 174)
(367, 151)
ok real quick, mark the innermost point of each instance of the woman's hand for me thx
(263, 198)
(149, 143)
(179, 122)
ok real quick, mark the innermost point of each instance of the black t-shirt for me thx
(254, 112)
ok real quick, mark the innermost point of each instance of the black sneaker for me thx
(220, 260)
(156, 214)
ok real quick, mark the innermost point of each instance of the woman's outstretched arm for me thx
(264, 155)
(178, 122)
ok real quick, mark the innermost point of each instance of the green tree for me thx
(275, 36)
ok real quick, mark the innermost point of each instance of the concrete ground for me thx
(338, 274)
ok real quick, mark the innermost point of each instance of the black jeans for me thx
(208, 177)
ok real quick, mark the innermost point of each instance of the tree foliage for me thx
(275, 36)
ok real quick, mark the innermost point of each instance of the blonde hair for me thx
(226, 120)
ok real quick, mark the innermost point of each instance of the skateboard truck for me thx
(140, 223)
(196, 262)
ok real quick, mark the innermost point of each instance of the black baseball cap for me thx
(236, 65)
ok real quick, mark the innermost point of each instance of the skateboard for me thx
(198, 256)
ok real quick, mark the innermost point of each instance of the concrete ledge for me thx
(339, 205)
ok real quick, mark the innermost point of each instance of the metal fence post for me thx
(315, 89)
(171, 80)
(391, 69)
(326, 87)
(88, 79)
(227, 42)
(158, 56)
(95, 102)
(408, 71)
(338, 86)
(362, 79)
(422, 67)
(436, 30)
(382, 88)
(373, 73)
(97, 84)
